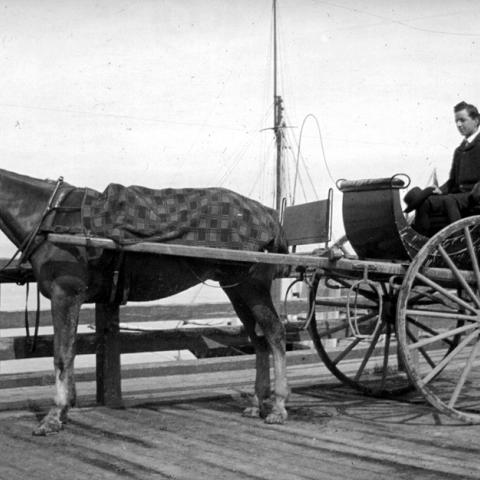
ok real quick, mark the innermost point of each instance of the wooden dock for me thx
(190, 426)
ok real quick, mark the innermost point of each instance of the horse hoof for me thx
(276, 418)
(47, 428)
(251, 412)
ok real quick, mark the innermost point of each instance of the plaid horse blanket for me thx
(213, 217)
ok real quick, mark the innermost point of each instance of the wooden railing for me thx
(107, 341)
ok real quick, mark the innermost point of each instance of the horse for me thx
(70, 276)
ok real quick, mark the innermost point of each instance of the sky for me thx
(176, 93)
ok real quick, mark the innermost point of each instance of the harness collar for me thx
(28, 244)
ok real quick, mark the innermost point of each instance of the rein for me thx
(33, 343)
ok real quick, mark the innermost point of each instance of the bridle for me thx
(27, 246)
(26, 249)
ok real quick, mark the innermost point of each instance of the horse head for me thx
(23, 201)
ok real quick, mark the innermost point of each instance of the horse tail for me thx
(280, 241)
(279, 244)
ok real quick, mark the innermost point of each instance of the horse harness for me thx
(63, 214)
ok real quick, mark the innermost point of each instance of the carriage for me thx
(411, 303)
(408, 306)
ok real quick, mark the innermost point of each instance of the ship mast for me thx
(278, 121)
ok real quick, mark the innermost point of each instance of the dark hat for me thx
(415, 197)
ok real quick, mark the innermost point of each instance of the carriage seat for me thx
(374, 220)
(373, 217)
(370, 184)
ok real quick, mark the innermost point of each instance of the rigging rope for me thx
(323, 151)
(260, 175)
(307, 172)
(241, 151)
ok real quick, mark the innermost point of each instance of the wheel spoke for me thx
(429, 330)
(464, 375)
(438, 320)
(458, 275)
(449, 333)
(445, 292)
(369, 353)
(447, 358)
(434, 299)
(386, 353)
(442, 315)
(473, 256)
(367, 301)
(412, 337)
(352, 345)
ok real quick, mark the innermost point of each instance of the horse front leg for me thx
(258, 407)
(66, 303)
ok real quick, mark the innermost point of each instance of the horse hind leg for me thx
(65, 311)
(262, 360)
(254, 306)
(263, 392)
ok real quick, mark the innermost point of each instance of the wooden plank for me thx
(131, 341)
(341, 302)
(332, 432)
(107, 349)
(158, 369)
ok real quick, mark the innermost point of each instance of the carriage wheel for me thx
(364, 354)
(439, 320)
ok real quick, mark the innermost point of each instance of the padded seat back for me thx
(308, 223)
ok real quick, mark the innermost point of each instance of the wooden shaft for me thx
(343, 265)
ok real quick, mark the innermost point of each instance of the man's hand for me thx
(475, 194)
(436, 190)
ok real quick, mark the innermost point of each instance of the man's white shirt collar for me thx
(472, 137)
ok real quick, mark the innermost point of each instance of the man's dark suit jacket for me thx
(465, 171)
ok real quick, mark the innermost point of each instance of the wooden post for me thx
(109, 391)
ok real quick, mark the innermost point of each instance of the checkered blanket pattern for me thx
(211, 217)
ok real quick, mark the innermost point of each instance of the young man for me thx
(456, 198)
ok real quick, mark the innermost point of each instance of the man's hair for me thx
(471, 110)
